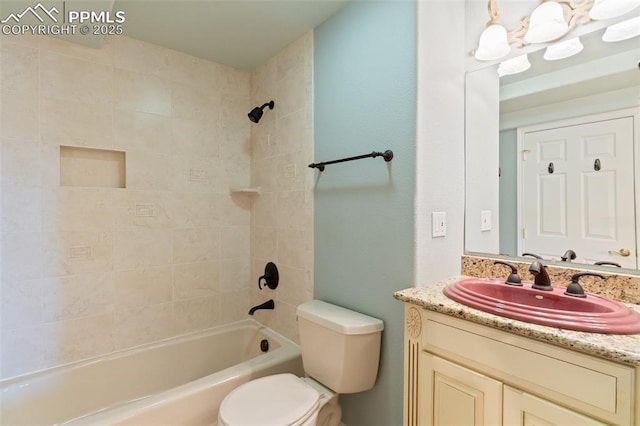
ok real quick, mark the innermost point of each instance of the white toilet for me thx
(340, 354)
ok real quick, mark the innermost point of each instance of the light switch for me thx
(438, 224)
(485, 220)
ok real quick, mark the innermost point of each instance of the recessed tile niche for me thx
(92, 167)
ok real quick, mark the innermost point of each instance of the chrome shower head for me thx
(256, 114)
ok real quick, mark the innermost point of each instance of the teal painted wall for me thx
(364, 101)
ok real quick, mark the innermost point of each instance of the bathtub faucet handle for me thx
(270, 277)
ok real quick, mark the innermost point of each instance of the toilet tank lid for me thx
(339, 319)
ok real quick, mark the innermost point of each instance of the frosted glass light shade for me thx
(547, 23)
(563, 49)
(514, 66)
(493, 43)
(623, 30)
(606, 9)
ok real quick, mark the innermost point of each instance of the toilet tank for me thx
(340, 347)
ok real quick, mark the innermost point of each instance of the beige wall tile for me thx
(265, 210)
(141, 248)
(143, 287)
(20, 114)
(144, 324)
(196, 245)
(197, 314)
(292, 91)
(235, 305)
(78, 296)
(149, 171)
(236, 241)
(135, 55)
(77, 209)
(142, 209)
(194, 103)
(23, 211)
(66, 78)
(196, 72)
(102, 55)
(20, 162)
(21, 351)
(194, 280)
(76, 252)
(22, 255)
(66, 122)
(291, 210)
(142, 92)
(142, 131)
(67, 341)
(236, 274)
(20, 68)
(197, 174)
(294, 131)
(21, 303)
(195, 210)
(197, 138)
(264, 244)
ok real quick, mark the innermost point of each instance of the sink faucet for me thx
(541, 281)
(269, 304)
(568, 256)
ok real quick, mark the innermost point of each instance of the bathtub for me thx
(176, 381)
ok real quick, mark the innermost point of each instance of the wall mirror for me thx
(504, 116)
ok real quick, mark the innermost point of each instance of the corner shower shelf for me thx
(253, 190)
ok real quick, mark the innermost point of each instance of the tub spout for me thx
(269, 304)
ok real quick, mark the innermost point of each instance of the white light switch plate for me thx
(485, 220)
(438, 224)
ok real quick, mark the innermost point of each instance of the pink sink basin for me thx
(551, 308)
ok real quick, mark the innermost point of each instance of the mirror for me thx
(604, 77)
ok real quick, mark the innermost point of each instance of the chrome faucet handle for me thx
(574, 289)
(514, 278)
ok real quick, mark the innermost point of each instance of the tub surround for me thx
(621, 287)
(620, 348)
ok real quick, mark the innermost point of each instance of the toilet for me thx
(340, 354)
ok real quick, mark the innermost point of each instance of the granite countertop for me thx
(620, 348)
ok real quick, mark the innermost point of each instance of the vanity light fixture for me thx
(547, 23)
(607, 9)
(514, 66)
(623, 30)
(493, 43)
(563, 49)
(552, 20)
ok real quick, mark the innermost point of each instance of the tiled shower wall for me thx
(282, 215)
(89, 270)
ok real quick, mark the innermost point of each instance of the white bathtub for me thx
(174, 382)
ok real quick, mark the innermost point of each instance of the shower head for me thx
(256, 114)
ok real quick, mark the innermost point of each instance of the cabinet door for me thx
(453, 395)
(523, 409)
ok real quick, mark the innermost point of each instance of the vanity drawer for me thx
(593, 386)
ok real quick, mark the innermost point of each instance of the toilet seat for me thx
(278, 400)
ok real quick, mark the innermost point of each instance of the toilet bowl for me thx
(280, 400)
(340, 354)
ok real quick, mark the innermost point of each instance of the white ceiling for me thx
(239, 33)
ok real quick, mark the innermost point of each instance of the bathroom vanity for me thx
(467, 367)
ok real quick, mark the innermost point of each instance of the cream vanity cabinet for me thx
(462, 373)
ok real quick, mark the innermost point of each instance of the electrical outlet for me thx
(438, 224)
(485, 220)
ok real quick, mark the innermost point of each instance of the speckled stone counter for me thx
(620, 348)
